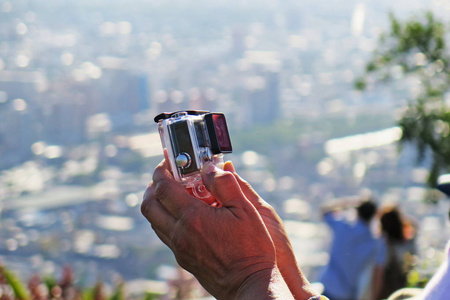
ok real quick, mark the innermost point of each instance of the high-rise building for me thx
(260, 98)
(124, 93)
(18, 114)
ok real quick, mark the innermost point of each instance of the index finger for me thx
(172, 194)
(246, 188)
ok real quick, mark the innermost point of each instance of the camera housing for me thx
(190, 139)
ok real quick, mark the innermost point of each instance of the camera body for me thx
(190, 139)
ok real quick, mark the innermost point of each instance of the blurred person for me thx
(438, 287)
(237, 251)
(399, 250)
(354, 248)
(241, 250)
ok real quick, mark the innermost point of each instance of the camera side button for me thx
(183, 160)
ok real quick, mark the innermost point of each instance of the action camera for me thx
(190, 139)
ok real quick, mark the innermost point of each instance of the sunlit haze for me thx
(80, 84)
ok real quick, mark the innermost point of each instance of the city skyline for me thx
(80, 83)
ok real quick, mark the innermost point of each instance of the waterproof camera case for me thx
(190, 139)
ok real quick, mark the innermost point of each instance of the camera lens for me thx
(223, 138)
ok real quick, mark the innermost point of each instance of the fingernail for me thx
(209, 168)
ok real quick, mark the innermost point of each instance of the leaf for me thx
(418, 45)
(50, 282)
(119, 294)
(360, 84)
(395, 26)
(18, 288)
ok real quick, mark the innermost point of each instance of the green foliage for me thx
(360, 83)
(423, 35)
(119, 294)
(417, 49)
(63, 288)
(416, 279)
(95, 293)
(20, 292)
(50, 282)
(151, 296)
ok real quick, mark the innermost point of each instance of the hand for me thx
(228, 249)
(286, 262)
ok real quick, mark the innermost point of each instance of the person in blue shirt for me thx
(354, 249)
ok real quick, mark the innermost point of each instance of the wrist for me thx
(266, 284)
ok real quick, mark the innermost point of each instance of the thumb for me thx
(223, 186)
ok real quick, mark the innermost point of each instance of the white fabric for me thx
(439, 285)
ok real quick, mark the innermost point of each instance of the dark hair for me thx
(392, 224)
(366, 210)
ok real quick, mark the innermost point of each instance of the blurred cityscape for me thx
(80, 83)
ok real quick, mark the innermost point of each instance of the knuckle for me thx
(148, 199)
(192, 222)
(162, 187)
(225, 178)
(179, 243)
(267, 206)
(144, 207)
(148, 191)
(158, 170)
